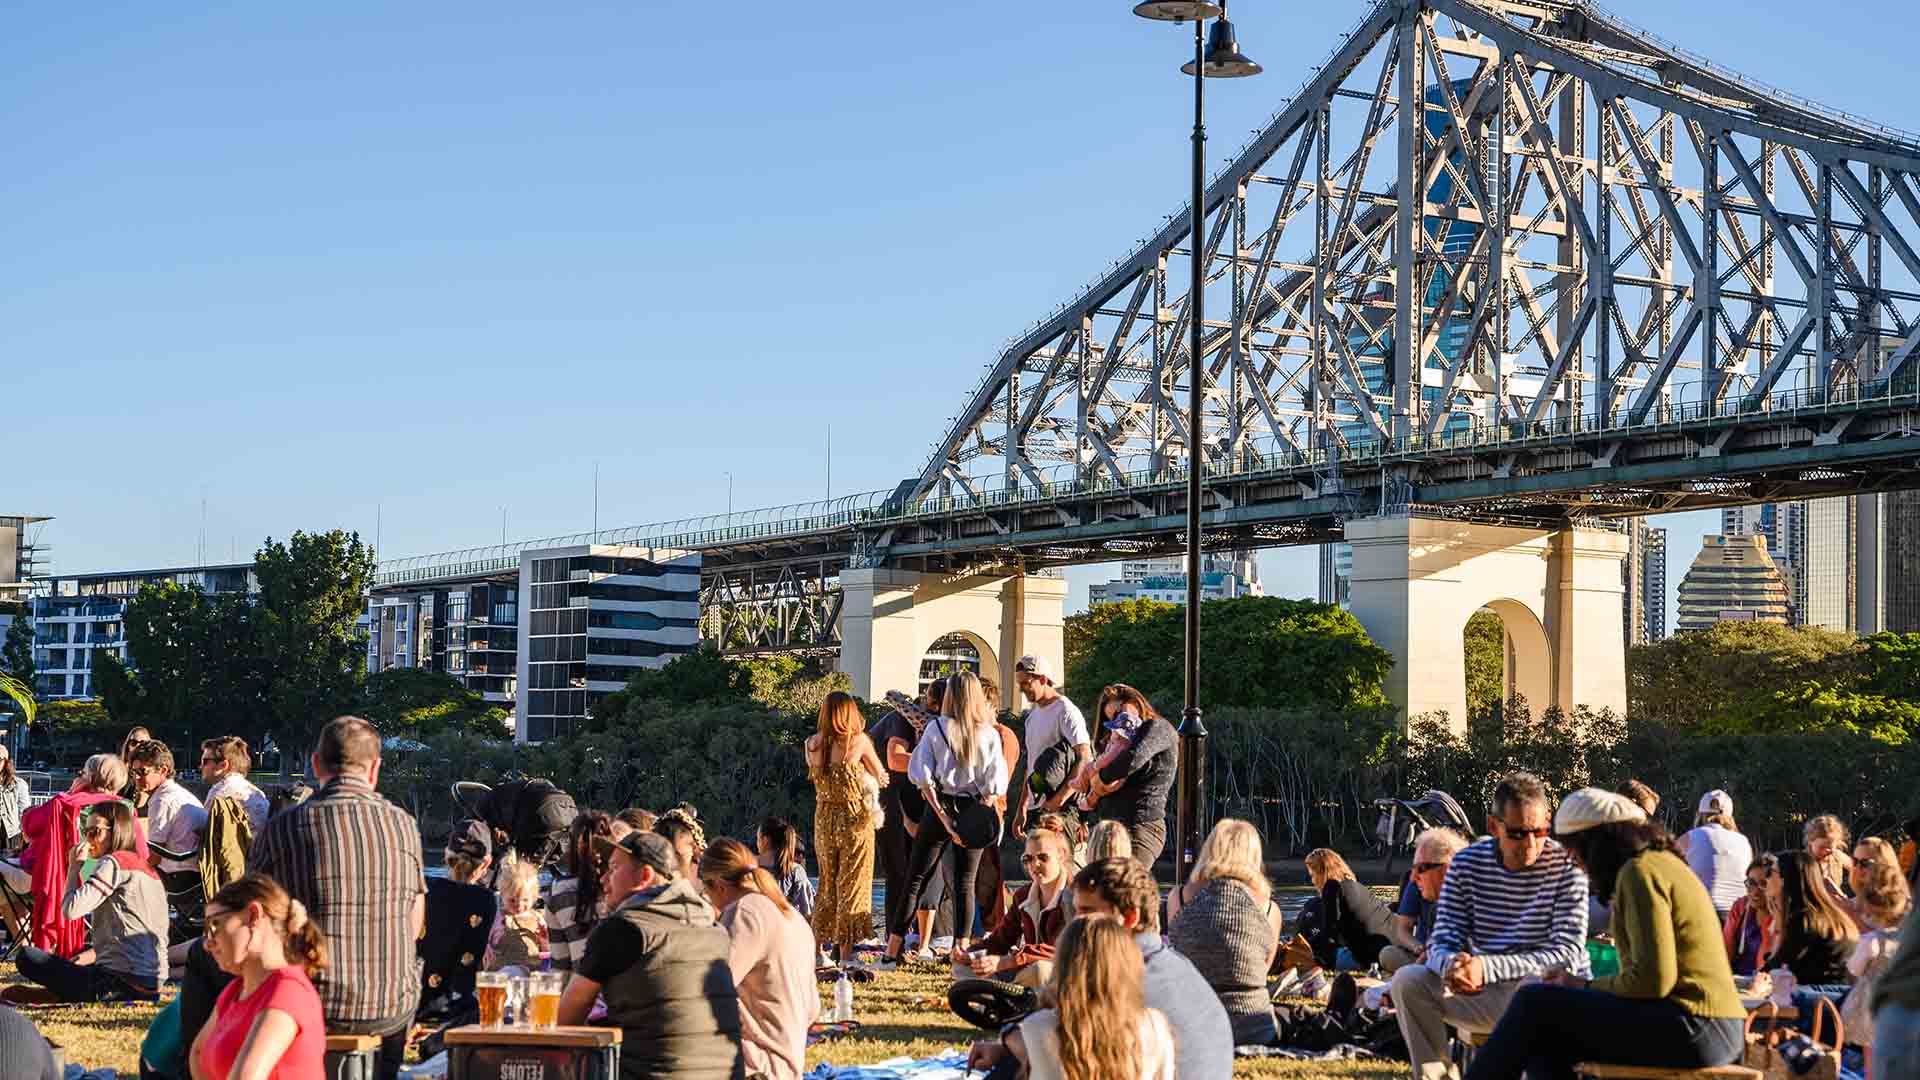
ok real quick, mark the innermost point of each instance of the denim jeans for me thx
(81, 982)
(1548, 1029)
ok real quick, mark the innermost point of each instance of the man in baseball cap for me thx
(652, 958)
(1058, 742)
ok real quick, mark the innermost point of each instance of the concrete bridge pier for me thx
(889, 618)
(1416, 582)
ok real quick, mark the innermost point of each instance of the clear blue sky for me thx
(316, 264)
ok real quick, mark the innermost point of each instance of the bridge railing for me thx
(1263, 456)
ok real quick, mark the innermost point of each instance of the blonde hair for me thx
(1097, 988)
(967, 703)
(1327, 863)
(730, 861)
(1827, 825)
(1233, 852)
(105, 773)
(518, 874)
(1109, 840)
(1885, 895)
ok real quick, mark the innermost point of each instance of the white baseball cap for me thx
(1035, 666)
(1716, 802)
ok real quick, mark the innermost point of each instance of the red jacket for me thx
(52, 829)
(1027, 923)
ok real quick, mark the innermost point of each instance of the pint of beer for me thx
(543, 998)
(490, 987)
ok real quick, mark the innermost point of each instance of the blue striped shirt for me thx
(1519, 922)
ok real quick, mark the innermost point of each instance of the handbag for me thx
(975, 822)
(1789, 1055)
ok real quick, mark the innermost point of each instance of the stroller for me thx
(1403, 819)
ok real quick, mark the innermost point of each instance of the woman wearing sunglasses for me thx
(267, 1022)
(1748, 930)
(108, 880)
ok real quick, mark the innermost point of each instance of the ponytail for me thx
(304, 941)
(730, 861)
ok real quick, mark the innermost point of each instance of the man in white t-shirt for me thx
(1052, 721)
(224, 764)
(174, 816)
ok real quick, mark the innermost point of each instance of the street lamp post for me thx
(1215, 56)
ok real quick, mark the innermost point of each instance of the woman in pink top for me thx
(772, 960)
(266, 1024)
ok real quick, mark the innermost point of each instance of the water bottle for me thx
(843, 998)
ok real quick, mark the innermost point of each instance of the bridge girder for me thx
(1600, 226)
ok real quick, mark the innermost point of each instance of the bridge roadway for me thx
(1793, 445)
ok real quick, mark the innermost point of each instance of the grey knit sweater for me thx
(1225, 932)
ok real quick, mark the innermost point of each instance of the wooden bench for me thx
(352, 1057)
(1595, 1070)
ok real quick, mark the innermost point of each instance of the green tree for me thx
(1082, 629)
(195, 671)
(1255, 652)
(1486, 647)
(415, 703)
(311, 652)
(16, 654)
(1724, 679)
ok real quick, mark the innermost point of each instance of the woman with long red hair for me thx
(846, 774)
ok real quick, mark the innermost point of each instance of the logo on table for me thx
(522, 1069)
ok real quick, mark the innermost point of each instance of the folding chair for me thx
(186, 893)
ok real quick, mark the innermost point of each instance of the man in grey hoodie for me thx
(660, 961)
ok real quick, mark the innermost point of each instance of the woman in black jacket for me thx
(1134, 787)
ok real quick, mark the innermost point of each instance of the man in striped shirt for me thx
(354, 860)
(1512, 906)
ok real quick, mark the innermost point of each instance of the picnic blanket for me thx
(948, 1065)
(1342, 1052)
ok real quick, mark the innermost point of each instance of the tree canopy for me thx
(1255, 652)
(416, 703)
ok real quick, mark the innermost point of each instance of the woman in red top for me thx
(266, 1024)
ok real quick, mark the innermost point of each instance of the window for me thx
(601, 590)
(636, 620)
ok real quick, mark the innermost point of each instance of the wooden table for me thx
(477, 1052)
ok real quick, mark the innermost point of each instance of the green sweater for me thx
(1670, 942)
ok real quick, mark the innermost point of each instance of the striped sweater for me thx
(1518, 922)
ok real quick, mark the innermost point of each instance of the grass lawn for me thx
(902, 1013)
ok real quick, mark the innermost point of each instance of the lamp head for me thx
(1224, 59)
(1176, 10)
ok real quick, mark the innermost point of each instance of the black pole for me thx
(1190, 809)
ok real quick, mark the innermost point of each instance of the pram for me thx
(1403, 819)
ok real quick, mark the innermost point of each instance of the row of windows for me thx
(560, 622)
(551, 703)
(613, 564)
(636, 620)
(545, 570)
(556, 676)
(601, 590)
(571, 647)
(630, 647)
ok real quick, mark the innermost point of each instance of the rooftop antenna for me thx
(503, 526)
(379, 523)
(203, 526)
(829, 461)
(596, 499)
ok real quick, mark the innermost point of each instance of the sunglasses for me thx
(1036, 858)
(1516, 833)
(1423, 867)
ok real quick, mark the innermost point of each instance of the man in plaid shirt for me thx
(354, 860)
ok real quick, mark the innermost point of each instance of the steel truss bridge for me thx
(1520, 262)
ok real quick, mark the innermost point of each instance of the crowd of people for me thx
(1574, 919)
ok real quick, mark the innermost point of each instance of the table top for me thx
(581, 1037)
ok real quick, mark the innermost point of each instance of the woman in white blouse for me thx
(959, 767)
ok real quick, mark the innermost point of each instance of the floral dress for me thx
(843, 846)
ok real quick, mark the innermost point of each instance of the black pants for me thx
(931, 843)
(1546, 1030)
(78, 983)
(393, 1039)
(895, 846)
